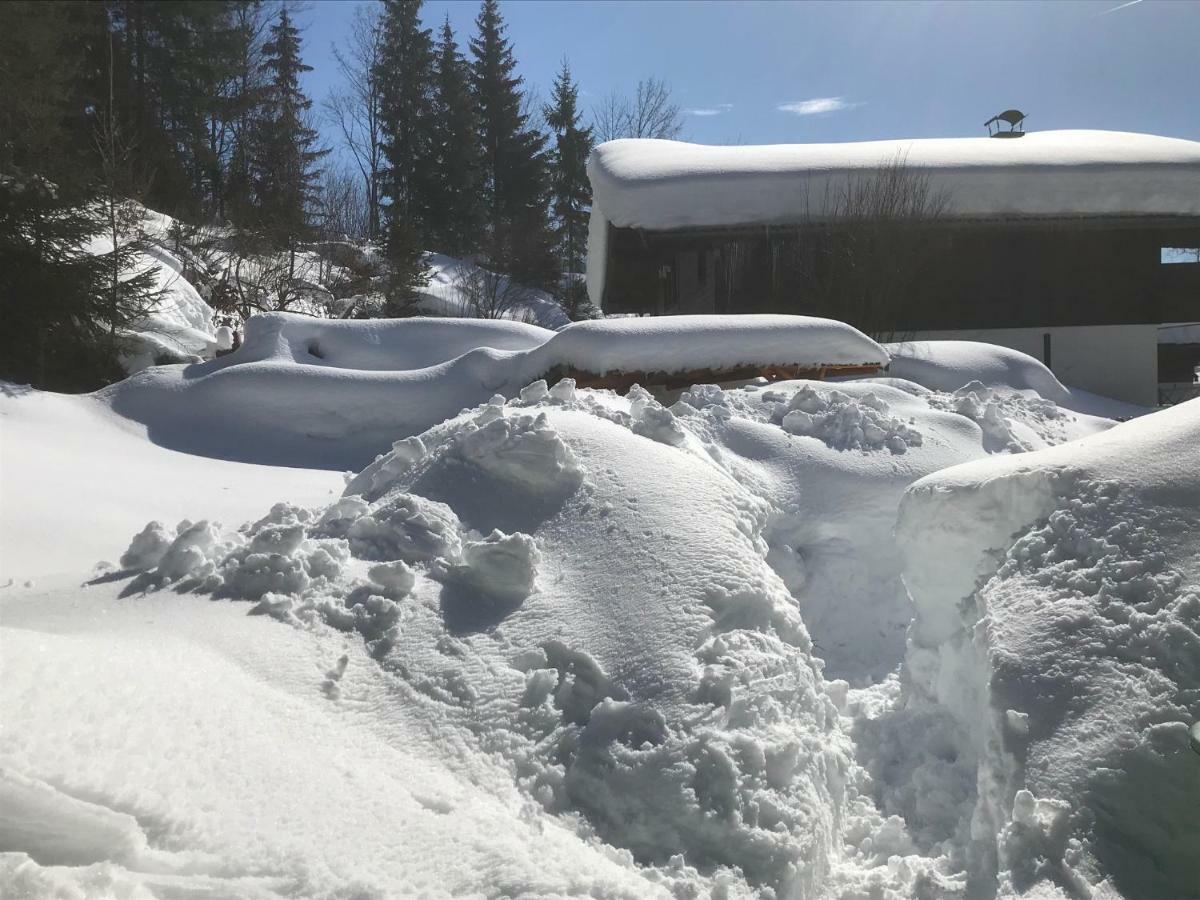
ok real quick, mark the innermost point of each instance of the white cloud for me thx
(816, 106)
(710, 110)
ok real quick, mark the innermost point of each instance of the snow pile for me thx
(304, 391)
(1055, 634)
(669, 701)
(658, 184)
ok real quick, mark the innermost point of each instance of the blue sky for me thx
(767, 72)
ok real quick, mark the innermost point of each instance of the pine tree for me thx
(571, 192)
(515, 183)
(405, 75)
(456, 218)
(286, 155)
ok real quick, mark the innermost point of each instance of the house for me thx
(1072, 246)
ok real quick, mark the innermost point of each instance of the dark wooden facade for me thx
(955, 274)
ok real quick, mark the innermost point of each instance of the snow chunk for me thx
(651, 419)
(394, 578)
(406, 527)
(147, 548)
(192, 552)
(845, 422)
(501, 565)
(520, 449)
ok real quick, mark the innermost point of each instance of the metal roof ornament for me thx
(1014, 118)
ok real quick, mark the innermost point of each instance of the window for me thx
(701, 267)
(1173, 256)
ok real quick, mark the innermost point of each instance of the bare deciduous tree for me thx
(649, 113)
(488, 295)
(355, 110)
(344, 211)
(879, 246)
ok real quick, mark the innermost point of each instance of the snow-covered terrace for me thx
(667, 185)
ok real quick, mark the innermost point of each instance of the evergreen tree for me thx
(286, 155)
(244, 109)
(62, 306)
(456, 218)
(405, 77)
(515, 182)
(174, 82)
(571, 192)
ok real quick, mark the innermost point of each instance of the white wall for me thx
(1119, 361)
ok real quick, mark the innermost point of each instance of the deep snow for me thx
(311, 392)
(567, 642)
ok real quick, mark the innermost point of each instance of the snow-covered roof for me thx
(662, 185)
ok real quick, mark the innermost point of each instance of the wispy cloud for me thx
(816, 106)
(709, 110)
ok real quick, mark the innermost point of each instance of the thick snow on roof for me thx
(688, 343)
(666, 184)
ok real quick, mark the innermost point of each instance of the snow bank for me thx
(304, 391)
(1056, 625)
(952, 365)
(666, 184)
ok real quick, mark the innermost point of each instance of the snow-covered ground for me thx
(885, 637)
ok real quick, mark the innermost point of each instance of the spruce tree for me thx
(571, 192)
(63, 306)
(286, 152)
(456, 218)
(244, 110)
(405, 76)
(515, 182)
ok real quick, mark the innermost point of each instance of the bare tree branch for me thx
(355, 109)
(650, 113)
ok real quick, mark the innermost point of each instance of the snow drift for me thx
(304, 391)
